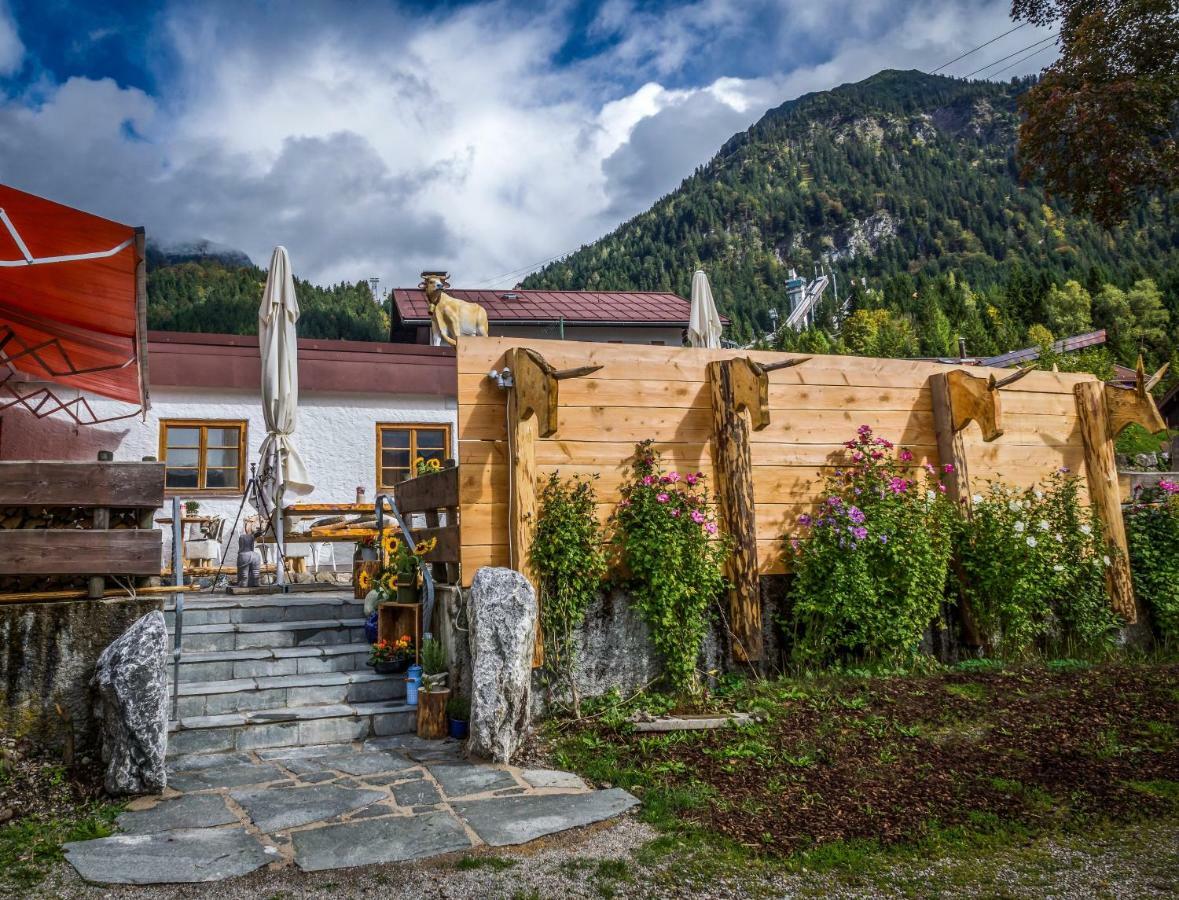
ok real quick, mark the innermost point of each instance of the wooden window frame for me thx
(203, 425)
(413, 427)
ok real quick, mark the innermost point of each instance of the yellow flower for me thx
(426, 546)
(434, 465)
(364, 580)
(391, 543)
(389, 581)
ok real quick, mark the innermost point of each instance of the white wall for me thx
(336, 436)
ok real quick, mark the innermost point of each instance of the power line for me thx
(1050, 37)
(1022, 60)
(976, 49)
(524, 270)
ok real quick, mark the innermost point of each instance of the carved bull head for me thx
(1135, 405)
(977, 399)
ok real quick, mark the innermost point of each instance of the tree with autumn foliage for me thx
(1101, 124)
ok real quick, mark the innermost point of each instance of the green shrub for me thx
(1152, 529)
(570, 563)
(870, 571)
(1033, 564)
(459, 707)
(666, 534)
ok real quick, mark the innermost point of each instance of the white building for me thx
(206, 424)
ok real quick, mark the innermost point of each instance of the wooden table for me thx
(187, 520)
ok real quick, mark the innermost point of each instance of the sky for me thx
(384, 139)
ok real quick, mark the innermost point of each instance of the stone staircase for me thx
(275, 670)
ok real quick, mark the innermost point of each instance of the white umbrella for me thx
(704, 324)
(280, 389)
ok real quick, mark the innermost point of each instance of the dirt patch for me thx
(906, 759)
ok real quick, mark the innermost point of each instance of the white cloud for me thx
(12, 51)
(385, 145)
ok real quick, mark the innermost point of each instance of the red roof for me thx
(72, 304)
(574, 307)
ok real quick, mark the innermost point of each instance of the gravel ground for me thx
(596, 862)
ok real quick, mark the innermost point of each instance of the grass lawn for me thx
(862, 777)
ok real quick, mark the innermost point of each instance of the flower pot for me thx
(407, 593)
(459, 728)
(397, 666)
(368, 554)
(370, 628)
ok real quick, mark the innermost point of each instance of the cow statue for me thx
(449, 316)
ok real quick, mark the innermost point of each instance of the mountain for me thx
(907, 186)
(204, 287)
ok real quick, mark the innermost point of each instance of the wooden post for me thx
(738, 392)
(1101, 472)
(532, 413)
(951, 449)
(101, 522)
(432, 714)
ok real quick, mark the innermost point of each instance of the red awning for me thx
(73, 301)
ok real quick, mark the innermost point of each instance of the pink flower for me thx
(834, 501)
(673, 477)
(905, 455)
(851, 445)
(648, 480)
(710, 527)
(857, 456)
(876, 454)
(864, 430)
(948, 467)
(941, 488)
(663, 479)
(794, 545)
(624, 503)
(662, 498)
(804, 519)
(1169, 487)
(675, 513)
(697, 517)
(859, 533)
(929, 467)
(898, 485)
(691, 479)
(883, 442)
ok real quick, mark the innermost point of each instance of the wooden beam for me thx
(522, 506)
(51, 596)
(738, 389)
(534, 389)
(80, 552)
(110, 484)
(1101, 471)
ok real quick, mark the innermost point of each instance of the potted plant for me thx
(367, 548)
(391, 657)
(403, 567)
(433, 695)
(458, 716)
(191, 507)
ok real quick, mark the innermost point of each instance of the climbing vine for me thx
(570, 562)
(1152, 527)
(666, 533)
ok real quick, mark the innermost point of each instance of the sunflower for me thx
(389, 582)
(364, 580)
(425, 546)
(391, 543)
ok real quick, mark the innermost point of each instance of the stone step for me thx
(239, 695)
(222, 610)
(260, 662)
(253, 635)
(293, 726)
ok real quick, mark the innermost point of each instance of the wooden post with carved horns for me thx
(740, 398)
(532, 413)
(1105, 410)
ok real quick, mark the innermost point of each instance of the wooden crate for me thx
(396, 619)
(435, 496)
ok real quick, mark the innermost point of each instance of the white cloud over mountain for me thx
(377, 143)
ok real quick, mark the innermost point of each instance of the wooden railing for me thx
(80, 519)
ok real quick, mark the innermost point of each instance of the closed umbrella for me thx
(282, 467)
(704, 324)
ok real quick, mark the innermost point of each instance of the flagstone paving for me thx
(333, 806)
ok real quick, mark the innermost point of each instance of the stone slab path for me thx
(389, 799)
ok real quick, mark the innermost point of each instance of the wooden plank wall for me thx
(662, 393)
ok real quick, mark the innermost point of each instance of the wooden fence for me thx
(764, 427)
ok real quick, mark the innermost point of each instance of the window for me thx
(399, 445)
(203, 456)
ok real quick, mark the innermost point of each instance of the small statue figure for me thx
(249, 560)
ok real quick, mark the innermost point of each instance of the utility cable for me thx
(976, 49)
(1050, 37)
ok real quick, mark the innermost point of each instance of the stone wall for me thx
(48, 653)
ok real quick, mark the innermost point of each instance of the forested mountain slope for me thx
(907, 180)
(199, 288)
